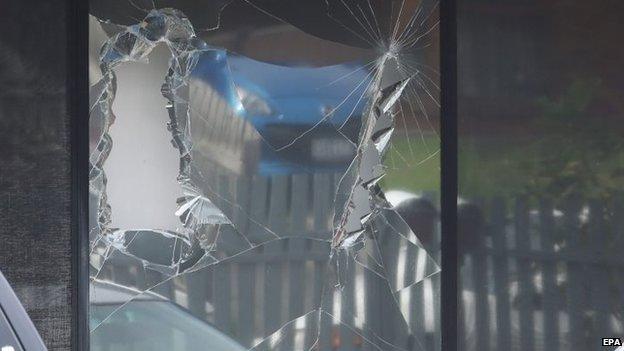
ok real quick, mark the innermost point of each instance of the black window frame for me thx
(78, 105)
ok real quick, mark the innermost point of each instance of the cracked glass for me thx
(264, 175)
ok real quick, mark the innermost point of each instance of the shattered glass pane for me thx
(264, 175)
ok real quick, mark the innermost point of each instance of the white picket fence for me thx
(239, 296)
(534, 276)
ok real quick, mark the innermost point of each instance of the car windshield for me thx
(154, 325)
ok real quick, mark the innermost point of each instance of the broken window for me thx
(264, 175)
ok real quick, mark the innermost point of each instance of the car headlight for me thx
(254, 104)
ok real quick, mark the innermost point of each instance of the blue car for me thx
(308, 118)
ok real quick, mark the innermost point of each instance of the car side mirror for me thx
(17, 331)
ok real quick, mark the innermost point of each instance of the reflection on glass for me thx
(540, 168)
(263, 196)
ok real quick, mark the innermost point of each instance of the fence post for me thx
(599, 276)
(274, 304)
(256, 233)
(320, 187)
(550, 302)
(574, 290)
(526, 290)
(479, 275)
(221, 293)
(246, 302)
(416, 303)
(501, 273)
(296, 246)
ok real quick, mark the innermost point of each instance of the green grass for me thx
(497, 167)
(565, 149)
(413, 166)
